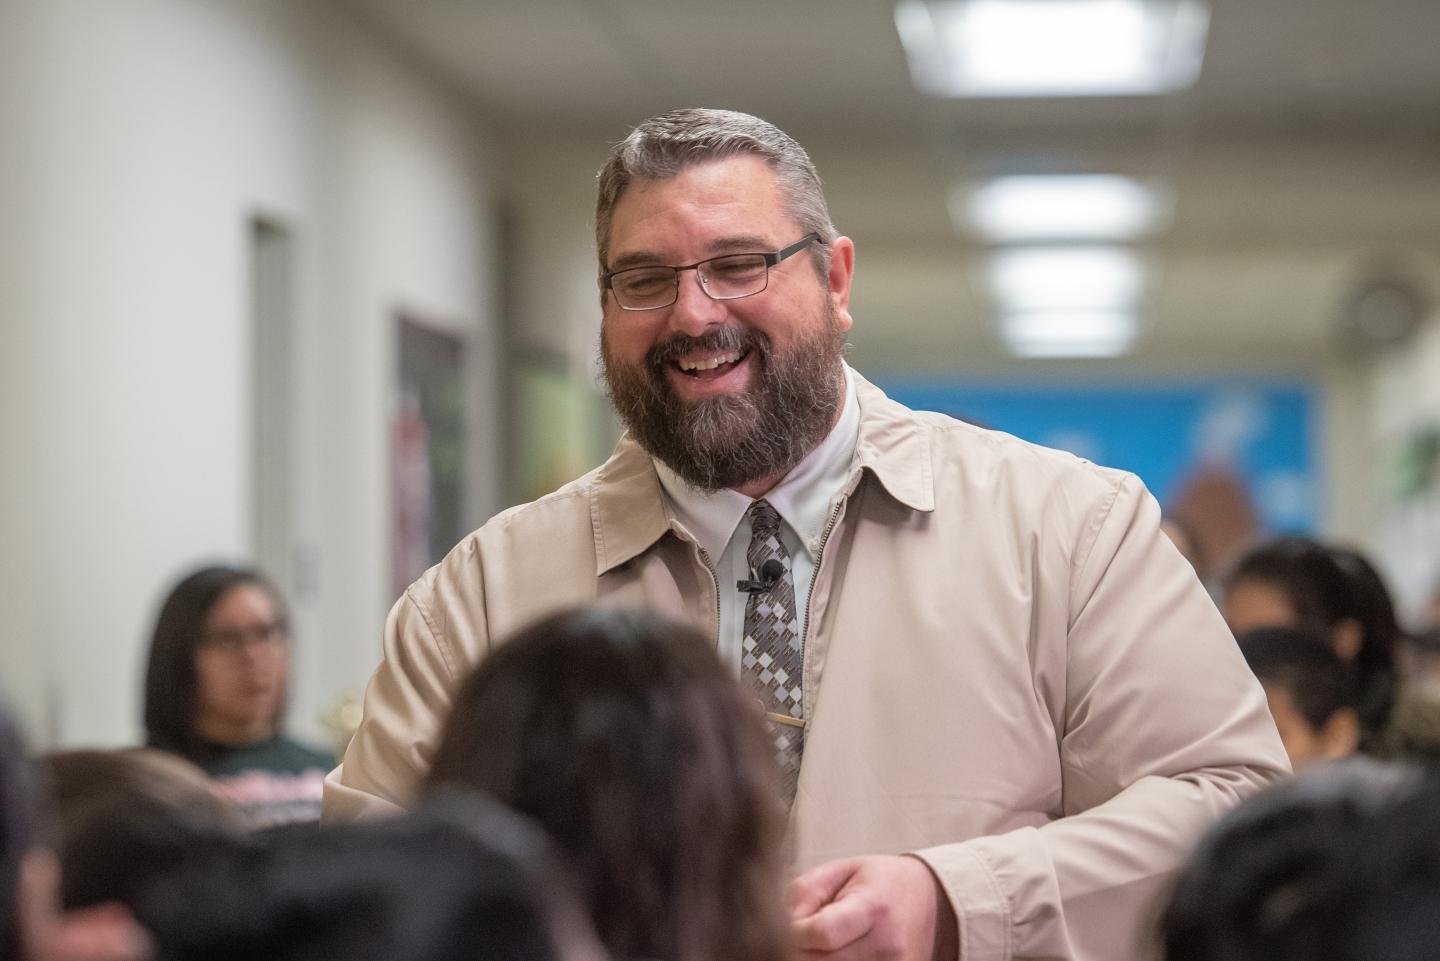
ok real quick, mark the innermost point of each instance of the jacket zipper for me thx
(810, 594)
(715, 582)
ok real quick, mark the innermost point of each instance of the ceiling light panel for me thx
(1068, 333)
(1052, 48)
(1065, 278)
(1078, 207)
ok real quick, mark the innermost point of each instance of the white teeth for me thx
(710, 364)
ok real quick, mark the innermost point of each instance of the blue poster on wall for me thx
(1262, 433)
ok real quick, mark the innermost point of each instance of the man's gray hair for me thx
(663, 146)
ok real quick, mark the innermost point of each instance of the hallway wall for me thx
(148, 134)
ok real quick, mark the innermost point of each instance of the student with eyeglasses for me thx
(215, 695)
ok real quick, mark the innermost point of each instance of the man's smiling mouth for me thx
(711, 365)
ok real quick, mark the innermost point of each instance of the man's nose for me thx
(694, 310)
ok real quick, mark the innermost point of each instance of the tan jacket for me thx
(1009, 670)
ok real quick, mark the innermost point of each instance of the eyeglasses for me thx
(234, 640)
(722, 278)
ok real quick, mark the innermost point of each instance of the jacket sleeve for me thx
(406, 702)
(1164, 729)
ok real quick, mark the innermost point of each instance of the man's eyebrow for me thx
(741, 244)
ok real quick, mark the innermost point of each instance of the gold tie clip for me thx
(785, 719)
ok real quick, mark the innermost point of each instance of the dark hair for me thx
(1379, 900)
(1305, 665)
(1261, 882)
(624, 736)
(1326, 587)
(121, 820)
(452, 883)
(1373, 607)
(17, 829)
(171, 699)
(1307, 574)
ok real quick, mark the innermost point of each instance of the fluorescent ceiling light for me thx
(1065, 278)
(1077, 207)
(1052, 48)
(1068, 333)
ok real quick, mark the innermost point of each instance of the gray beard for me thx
(736, 439)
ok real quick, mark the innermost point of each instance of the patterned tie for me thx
(771, 655)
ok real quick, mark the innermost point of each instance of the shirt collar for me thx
(802, 498)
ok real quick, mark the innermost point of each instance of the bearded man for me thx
(1002, 703)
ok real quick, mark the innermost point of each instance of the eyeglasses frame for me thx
(771, 259)
(235, 641)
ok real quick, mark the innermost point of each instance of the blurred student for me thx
(121, 821)
(1414, 732)
(215, 695)
(457, 881)
(1299, 582)
(1342, 863)
(1310, 691)
(1417, 659)
(32, 926)
(1383, 637)
(625, 738)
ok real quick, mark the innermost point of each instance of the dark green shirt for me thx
(272, 783)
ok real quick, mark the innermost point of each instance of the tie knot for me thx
(764, 519)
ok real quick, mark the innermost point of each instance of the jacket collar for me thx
(627, 508)
(895, 446)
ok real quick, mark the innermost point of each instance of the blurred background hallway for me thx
(311, 283)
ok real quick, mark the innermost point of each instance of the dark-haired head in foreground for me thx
(122, 820)
(1340, 864)
(459, 880)
(626, 739)
(1310, 689)
(32, 927)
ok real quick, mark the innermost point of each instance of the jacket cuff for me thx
(341, 802)
(982, 909)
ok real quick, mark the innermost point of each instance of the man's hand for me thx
(882, 908)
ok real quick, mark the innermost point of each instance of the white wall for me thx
(1405, 398)
(18, 674)
(153, 131)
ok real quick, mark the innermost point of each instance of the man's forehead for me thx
(741, 178)
(722, 205)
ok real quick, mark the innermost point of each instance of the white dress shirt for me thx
(804, 499)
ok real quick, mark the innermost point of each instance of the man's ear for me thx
(842, 270)
(1346, 638)
(1340, 735)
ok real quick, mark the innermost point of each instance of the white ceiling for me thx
(1307, 155)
